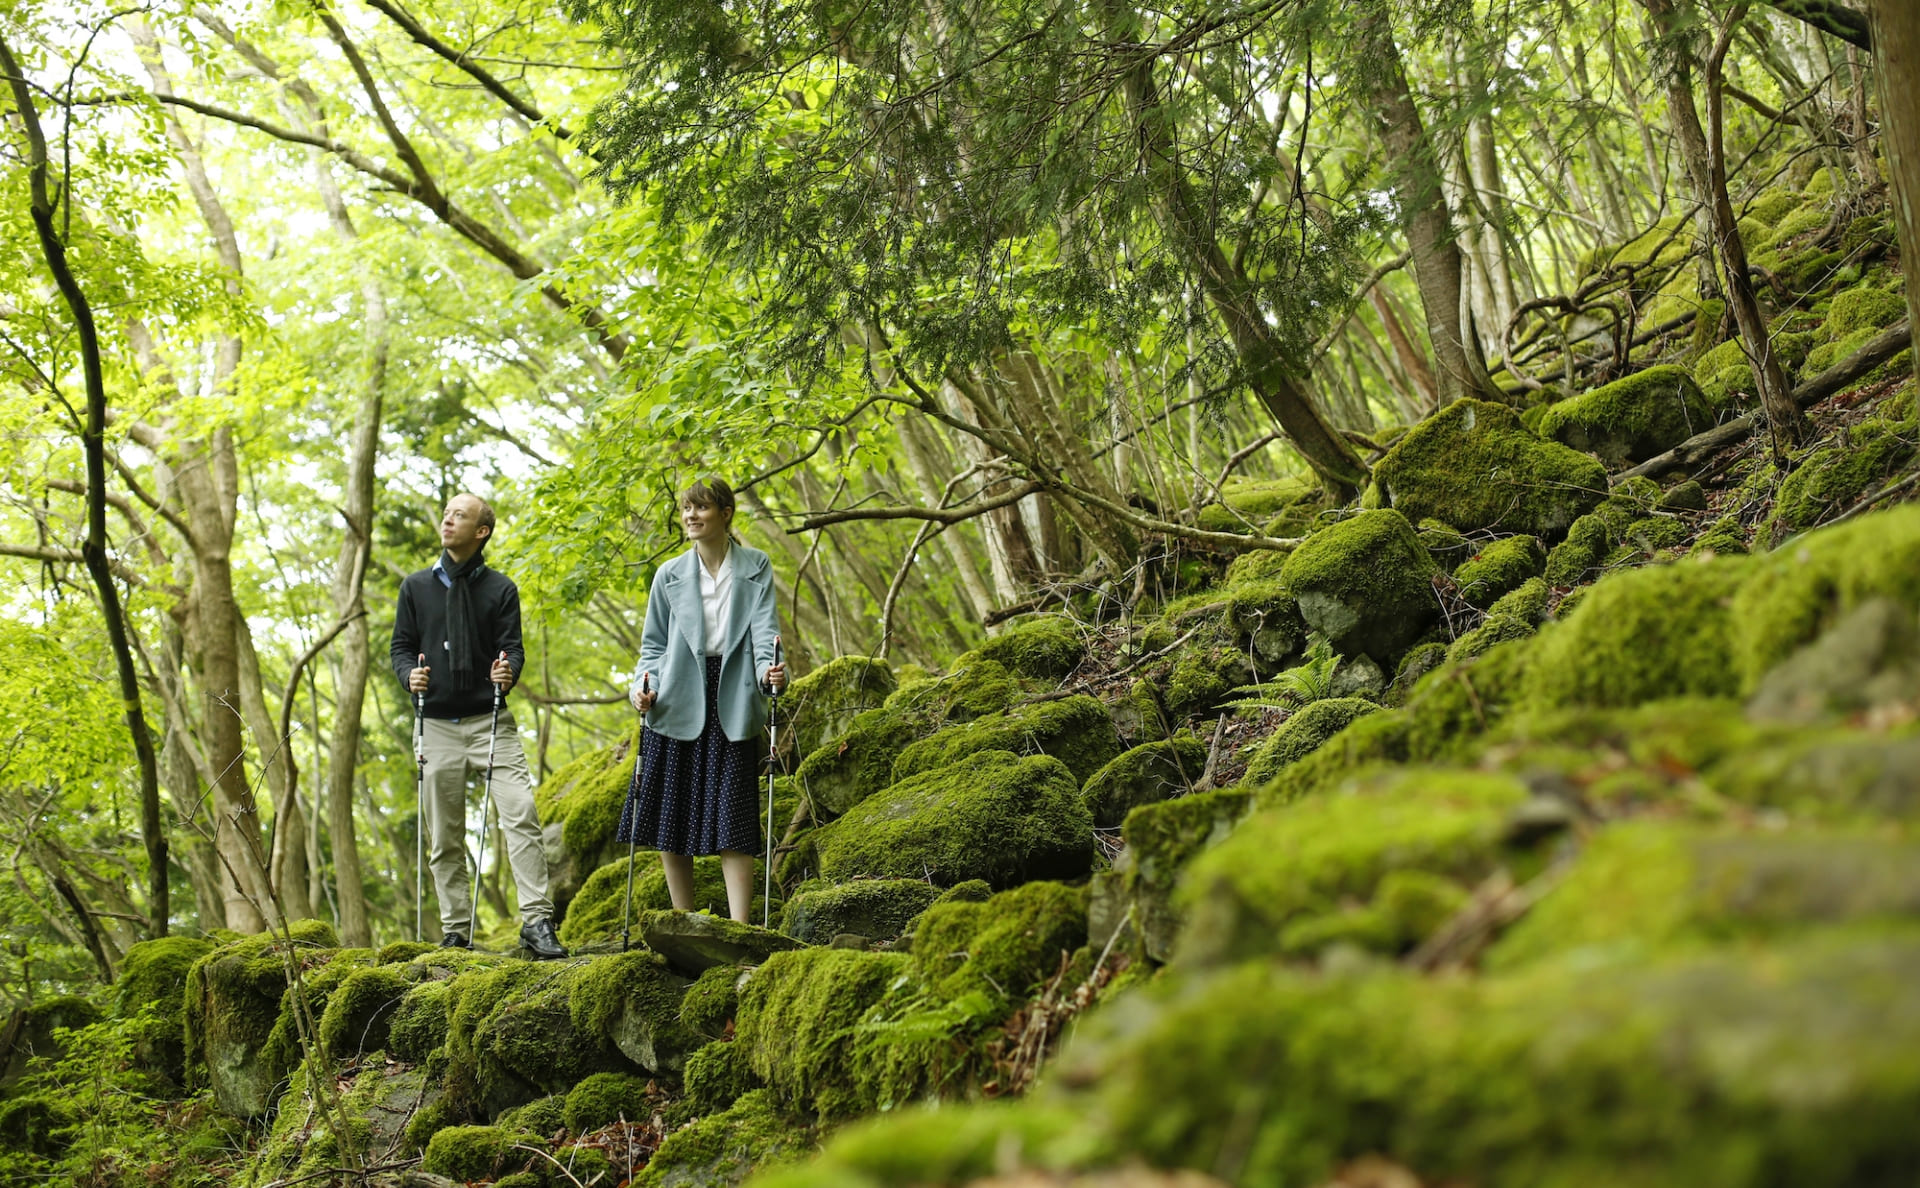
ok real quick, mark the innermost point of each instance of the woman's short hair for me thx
(709, 492)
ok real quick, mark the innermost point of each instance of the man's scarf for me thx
(468, 650)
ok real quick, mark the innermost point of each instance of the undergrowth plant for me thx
(1302, 685)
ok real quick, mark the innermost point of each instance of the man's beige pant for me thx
(456, 750)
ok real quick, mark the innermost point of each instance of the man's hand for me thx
(777, 677)
(644, 697)
(417, 679)
(502, 674)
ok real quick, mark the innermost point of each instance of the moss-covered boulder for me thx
(1631, 419)
(973, 688)
(1579, 557)
(694, 942)
(1868, 661)
(419, 1024)
(234, 1025)
(1516, 615)
(596, 913)
(375, 1104)
(797, 1024)
(1829, 479)
(1075, 730)
(1366, 584)
(523, 1030)
(1146, 774)
(1643, 634)
(878, 909)
(359, 1015)
(1294, 879)
(605, 1098)
(579, 807)
(153, 975)
(1499, 568)
(709, 1004)
(633, 1002)
(993, 816)
(1302, 733)
(857, 764)
(1520, 482)
(1264, 616)
(1161, 839)
(716, 1076)
(1042, 647)
(821, 706)
(1801, 589)
(725, 1148)
(467, 1153)
(34, 1033)
(1006, 947)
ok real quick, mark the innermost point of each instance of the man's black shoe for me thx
(538, 939)
(455, 940)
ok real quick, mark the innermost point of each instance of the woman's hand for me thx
(644, 697)
(777, 677)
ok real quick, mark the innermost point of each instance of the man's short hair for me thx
(485, 518)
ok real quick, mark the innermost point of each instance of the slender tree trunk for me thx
(287, 852)
(1896, 51)
(92, 440)
(1705, 157)
(1437, 265)
(1412, 359)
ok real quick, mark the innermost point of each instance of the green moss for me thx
(1499, 568)
(725, 1148)
(1444, 543)
(797, 1018)
(546, 1116)
(1147, 774)
(709, 1004)
(420, 1021)
(1521, 483)
(632, 1000)
(235, 1027)
(1255, 567)
(1577, 558)
(1418, 662)
(1808, 217)
(1822, 357)
(1860, 309)
(512, 1034)
(716, 1076)
(993, 816)
(971, 891)
(845, 772)
(1663, 631)
(1161, 839)
(1205, 673)
(1005, 947)
(373, 1103)
(1516, 615)
(605, 1098)
(1839, 776)
(878, 909)
(585, 798)
(1829, 479)
(1074, 730)
(1285, 868)
(1631, 419)
(973, 688)
(1725, 535)
(1303, 733)
(153, 974)
(1800, 589)
(359, 1015)
(1663, 244)
(595, 914)
(820, 706)
(476, 1152)
(944, 1145)
(1366, 584)
(1264, 617)
(1044, 647)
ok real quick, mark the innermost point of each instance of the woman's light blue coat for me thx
(673, 649)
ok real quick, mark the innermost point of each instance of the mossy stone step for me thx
(693, 942)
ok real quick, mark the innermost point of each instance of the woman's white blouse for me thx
(716, 595)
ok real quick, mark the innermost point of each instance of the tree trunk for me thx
(287, 851)
(93, 446)
(1437, 264)
(1896, 52)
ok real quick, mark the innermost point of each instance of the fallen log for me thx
(1702, 446)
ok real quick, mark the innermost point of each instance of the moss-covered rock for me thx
(797, 1018)
(1146, 774)
(1004, 947)
(821, 706)
(419, 1024)
(153, 974)
(1161, 839)
(1516, 615)
(973, 688)
(233, 1014)
(1499, 569)
(597, 911)
(1829, 479)
(519, 1032)
(1205, 673)
(1521, 483)
(710, 1003)
(993, 816)
(1863, 308)
(857, 764)
(716, 1076)
(1075, 730)
(1868, 662)
(545, 1116)
(694, 942)
(1578, 558)
(725, 1148)
(467, 1153)
(1265, 616)
(1292, 879)
(374, 1104)
(1631, 419)
(1801, 589)
(974, 1144)
(579, 807)
(1420, 660)
(633, 1002)
(1366, 584)
(605, 1098)
(359, 1015)
(878, 909)
(1303, 733)
(1663, 631)
(1042, 648)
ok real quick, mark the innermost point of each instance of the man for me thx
(452, 619)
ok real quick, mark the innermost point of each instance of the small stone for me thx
(847, 940)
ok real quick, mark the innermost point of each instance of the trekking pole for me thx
(419, 804)
(773, 759)
(486, 802)
(633, 827)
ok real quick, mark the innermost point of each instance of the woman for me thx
(706, 655)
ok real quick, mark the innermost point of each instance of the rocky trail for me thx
(1534, 822)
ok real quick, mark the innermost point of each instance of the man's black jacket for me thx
(420, 625)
